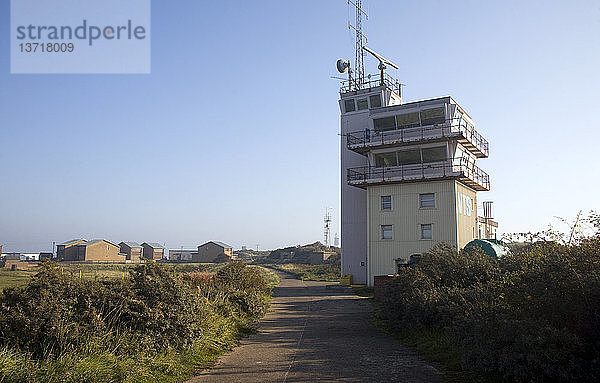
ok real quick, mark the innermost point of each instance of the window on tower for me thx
(433, 116)
(385, 123)
(349, 105)
(407, 120)
(386, 202)
(375, 101)
(409, 157)
(426, 231)
(385, 160)
(387, 232)
(362, 104)
(427, 200)
(435, 154)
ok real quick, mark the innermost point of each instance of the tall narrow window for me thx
(426, 231)
(387, 232)
(427, 200)
(386, 202)
(349, 105)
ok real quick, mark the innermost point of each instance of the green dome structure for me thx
(492, 247)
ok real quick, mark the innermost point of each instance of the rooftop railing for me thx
(449, 129)
(460, 169)
(372, 81)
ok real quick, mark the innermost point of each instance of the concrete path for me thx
(318, 333)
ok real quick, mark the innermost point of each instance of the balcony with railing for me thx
(364, 141)
(370, 82)
(463, 171)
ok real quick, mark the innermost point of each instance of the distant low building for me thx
(12, 256)
(30, 256)
(14, 261)
(132, 250)
(61, 248)
(44, 256)
(182, 255)
(319, 257)
(213, 252)
(153, 251)
(312, 254)
(97, 250)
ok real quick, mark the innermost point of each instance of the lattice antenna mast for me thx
(327, 228)
(361, 40)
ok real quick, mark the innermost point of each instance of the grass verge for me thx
(319, 273)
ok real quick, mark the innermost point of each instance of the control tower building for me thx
(409, 175)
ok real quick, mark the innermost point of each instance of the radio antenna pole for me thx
(361, 40)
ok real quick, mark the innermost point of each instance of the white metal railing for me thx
(449, 129)
(451, 168)
(372, 81)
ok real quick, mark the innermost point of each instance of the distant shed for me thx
(97, 250)
(182, 255)
(132, 250)
(213, 252)
(67, 249)
(153, 251)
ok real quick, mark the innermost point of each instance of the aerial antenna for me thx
(343, 66)
(382, 63)
(360, 41)
(327, 228)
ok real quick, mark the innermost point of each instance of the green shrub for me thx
(153, 325)
(235, 289)
(533, 316)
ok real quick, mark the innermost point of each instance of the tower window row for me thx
(352, 105)
(411, 156)
(426, 201)
(387, 232)
(411, 120)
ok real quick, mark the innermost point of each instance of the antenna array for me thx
(361, 40)
(327, 228)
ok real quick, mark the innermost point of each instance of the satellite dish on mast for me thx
(342, 65)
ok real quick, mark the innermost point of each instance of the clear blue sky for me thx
(234, 135)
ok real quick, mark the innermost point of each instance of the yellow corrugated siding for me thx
(407, 217)
(467, 224)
